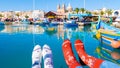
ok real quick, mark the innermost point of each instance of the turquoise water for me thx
(17, 42)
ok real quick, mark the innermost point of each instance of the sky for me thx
(48, 5)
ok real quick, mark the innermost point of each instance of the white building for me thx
(38, 14)
(22, 14)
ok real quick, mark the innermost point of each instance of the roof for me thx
(53, 13)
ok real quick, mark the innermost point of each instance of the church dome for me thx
(69, 8)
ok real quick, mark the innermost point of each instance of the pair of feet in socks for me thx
(37, 55)
(70, 59)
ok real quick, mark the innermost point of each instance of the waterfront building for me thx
(22, 14)
(61, 12)
(38, 14)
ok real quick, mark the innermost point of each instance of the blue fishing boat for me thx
(70, 24)
(104, 28)
(54, 23)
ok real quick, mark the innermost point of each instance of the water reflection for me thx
(60, 30)
(23, 29)
(2, 27)
(51, 31)
(64, 33)
(111, 55)
(35, 29)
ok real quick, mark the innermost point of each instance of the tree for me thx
(102, 13)
(95, 13)
(82, 10)
(88, 12)
(17, 14)
(76, 10)
(1, 15)
(26, 16)
(109, 12)
(73, 12)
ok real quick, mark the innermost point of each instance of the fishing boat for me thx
(54, 23)
(107, 29)
(45, 23)
(70, 24)
(111, 41)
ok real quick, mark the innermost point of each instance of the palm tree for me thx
(102, 13)
(95, 13)
(17, 14)
(76, 10)
(82, 10)
(88, 12)
(109, 12)
(26, 16)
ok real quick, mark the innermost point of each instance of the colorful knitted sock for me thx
(68, 55)
(92, 62)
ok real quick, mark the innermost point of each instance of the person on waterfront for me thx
(90, 61)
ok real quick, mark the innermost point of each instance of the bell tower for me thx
(69, 8)
(63, 8)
